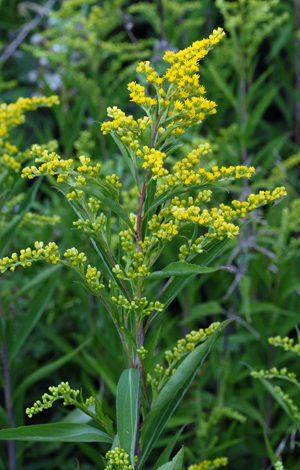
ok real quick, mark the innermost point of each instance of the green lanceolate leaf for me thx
(279, 399)
(185, 371)
(172, 394)
(181, 268)
(58, 432)
(164, 457)
(176, 463)
(271, 454)
(127, 410)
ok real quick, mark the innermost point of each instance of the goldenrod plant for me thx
(12, 115)
(174, 210)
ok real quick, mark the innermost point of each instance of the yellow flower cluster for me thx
(152, 76)
(12, 114)
(138, 95)
(189, 112)
(133, 272)
(184, 108)
(93, 278)
(255, 200)
(114, 180)
(10, 162)
(125, 127)
(62, 391)
(164, 231)
(154, 159)
(184, 171)
(188, 59)
(183, 102)
(210, 464)
(118, 459)
(217, 220)
(76, 259)
(78, 194)
(94, 205)
(50, 253)
(53, 164)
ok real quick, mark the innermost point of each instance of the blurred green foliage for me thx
(86, 52)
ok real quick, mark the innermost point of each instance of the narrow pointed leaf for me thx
(184, 372)
(176, 463)
(58, 432)
(127, 410)
(164, 457)
(280, 401)
(166, 403)
(181, 268)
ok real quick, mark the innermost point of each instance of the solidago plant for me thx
(12, 115)
(173, 207)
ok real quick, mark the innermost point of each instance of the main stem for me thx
(140, 328)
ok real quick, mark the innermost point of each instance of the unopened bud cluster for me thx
(210, 464)
(286, 343)
(118, 460)
(140, 305)
(275, 373)
(184, 346)
(62, 391)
